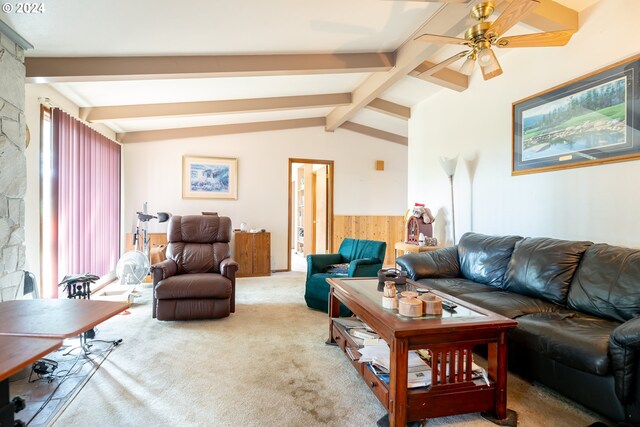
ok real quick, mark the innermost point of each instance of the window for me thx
(80, 184)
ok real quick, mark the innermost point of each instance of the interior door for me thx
(321, 210)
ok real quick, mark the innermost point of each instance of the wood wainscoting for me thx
(388, 229)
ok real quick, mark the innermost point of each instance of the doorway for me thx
(310, 210)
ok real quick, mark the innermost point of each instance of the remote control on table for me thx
(448, 305)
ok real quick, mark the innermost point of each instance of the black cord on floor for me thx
(106, 354)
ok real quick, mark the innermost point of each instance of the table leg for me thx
(398, 383)
(334, 311)
(497, 360)
(7, 409)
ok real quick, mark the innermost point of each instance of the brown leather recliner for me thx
(198, 278)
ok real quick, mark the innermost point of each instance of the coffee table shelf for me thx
(450, 339)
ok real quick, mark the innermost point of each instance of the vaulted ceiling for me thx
(154, 70)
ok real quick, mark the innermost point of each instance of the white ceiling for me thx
(224, 27)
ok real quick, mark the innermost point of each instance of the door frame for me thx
(330, 173)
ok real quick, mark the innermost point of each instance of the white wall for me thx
(153, 173)
(32, 198)
(598, 203)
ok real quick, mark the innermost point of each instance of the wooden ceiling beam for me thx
(390, 108)
(548, 16)
(230, 106)
(446, 78)
(81, 69)
(450, 20)
(375, 133)
(202, 131)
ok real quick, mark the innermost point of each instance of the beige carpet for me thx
(266, 365)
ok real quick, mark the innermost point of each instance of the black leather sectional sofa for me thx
(577, 305)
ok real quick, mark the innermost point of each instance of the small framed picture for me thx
(209, 178)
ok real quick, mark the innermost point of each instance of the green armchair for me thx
(364, 259)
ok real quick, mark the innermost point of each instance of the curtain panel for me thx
(87, 194)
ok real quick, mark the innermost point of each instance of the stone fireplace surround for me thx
(13, 174)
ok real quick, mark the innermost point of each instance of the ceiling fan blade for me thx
(444, 64)
(517, 10)
(434, 38)
(553, 38)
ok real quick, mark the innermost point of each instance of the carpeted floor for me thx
(265, 365)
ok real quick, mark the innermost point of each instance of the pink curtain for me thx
(88, 198)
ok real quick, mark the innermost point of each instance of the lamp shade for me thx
(487, 60)
(449, 165)
(467, 66)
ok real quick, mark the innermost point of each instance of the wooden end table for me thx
(410, 247)
(449, 339)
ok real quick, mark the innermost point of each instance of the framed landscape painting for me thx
(592, 120)
(209, 178)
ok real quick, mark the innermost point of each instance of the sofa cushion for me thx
(484, 259)
(571, 338)
(455, 287)
(201, 285)
(607, 283)
(543, 267)
(509, 304)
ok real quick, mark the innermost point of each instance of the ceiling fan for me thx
(481, 37)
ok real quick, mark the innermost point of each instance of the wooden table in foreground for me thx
(30, 329)
(55, 318)
(450, 339)
(17, 353)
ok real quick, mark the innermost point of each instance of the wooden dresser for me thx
(253, 253)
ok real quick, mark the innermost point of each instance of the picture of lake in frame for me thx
(590, 120)
(209, 177)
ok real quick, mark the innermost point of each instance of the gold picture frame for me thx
(209, 178)
(588, 121)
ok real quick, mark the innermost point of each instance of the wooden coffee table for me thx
(450, 339)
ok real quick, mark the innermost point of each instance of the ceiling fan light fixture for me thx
(486, 57)
(467, 66)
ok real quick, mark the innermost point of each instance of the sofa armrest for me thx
(440, 264)
(162, 270)
(364, 267)
(319, 262)
(228, 268)
(624, 348)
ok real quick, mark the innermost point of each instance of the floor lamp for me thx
(449, 167)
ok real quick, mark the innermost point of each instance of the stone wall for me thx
(13, 174)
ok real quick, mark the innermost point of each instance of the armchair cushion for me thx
(198, 285)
